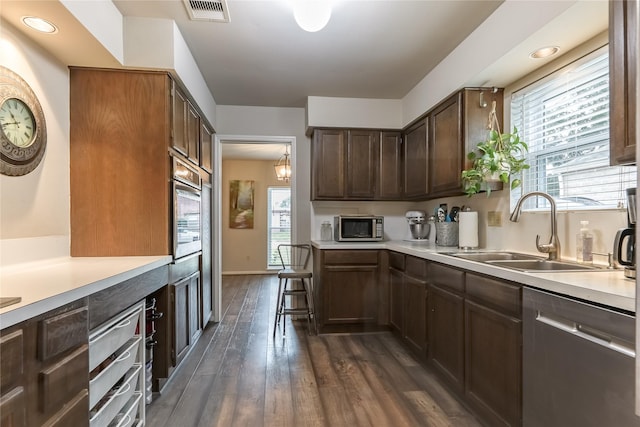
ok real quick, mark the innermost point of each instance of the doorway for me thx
(256, 144)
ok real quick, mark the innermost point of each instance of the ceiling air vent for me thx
(207, 10)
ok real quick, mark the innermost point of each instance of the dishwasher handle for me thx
(585, 332)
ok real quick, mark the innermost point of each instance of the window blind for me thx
(564, 118)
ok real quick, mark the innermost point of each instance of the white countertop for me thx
(607, 287)
(46, 285)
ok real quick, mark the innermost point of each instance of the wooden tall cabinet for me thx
(623, 63)
(120, 131)
(328, 164)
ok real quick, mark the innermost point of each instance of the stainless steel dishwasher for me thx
(578, 363)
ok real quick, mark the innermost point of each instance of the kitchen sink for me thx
(543, 265)
(494, 256)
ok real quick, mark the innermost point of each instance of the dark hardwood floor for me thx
(237, 374)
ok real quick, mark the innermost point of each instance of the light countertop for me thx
(607, 287)
(46, 285)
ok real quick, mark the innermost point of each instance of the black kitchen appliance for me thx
(625, 255)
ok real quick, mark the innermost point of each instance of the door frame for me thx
(216, 200)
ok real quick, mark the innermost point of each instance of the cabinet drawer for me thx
(447, 277)
(63, 380)
(11, 359)
(396, 260)
(503, 296)
(129, 414)
(116, 402)
(109, 338)
(75, 413)
(13, 408)
(416, 267)
(337, 257)
(106, 379)
(62, 332)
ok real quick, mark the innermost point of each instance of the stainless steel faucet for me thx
(553, 247)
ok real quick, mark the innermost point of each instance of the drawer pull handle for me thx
(126, 388)
(123, 324)
(124, 356)
(123, 422)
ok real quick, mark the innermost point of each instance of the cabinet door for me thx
(623, 51)
(416, 156)
(350, 294)
(195, 317)
(206, 144)
(328, 164)
(13, 408)
(181, 327)
(389, 186)
(446, 334)
(446, 146)
(193, 134)
(415, 312)
(206, 263)
(493, 362)
(396, 299)
(362, 160)
(179, 121)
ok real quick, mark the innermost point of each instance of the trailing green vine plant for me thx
(499, 158)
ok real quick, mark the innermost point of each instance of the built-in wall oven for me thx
(187, 210)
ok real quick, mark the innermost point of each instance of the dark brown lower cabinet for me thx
(415, 319)
(446, 334)
(347, 290)
(187, 329)
(396, 299)
(44, 375)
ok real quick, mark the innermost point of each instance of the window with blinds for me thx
(564, 118)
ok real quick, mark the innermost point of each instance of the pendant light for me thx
(283, 167)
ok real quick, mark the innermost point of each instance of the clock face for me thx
(23, 130)
(17, 122)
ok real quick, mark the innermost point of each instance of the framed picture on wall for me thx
(241, 204)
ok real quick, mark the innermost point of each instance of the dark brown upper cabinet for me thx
(416, 158)
(457, 125)
(356, 164)
(623, 51)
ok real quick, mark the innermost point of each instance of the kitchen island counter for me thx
(48, 284)
(606, 287)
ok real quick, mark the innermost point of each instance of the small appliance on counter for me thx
(358, 228)
(627, 257)
(419, 226)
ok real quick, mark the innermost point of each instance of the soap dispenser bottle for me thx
(584, 244)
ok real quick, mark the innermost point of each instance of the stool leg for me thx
(283, 306)
(311, 304)
(277, 317)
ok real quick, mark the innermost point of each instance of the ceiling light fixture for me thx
(283, 167)
(544, 52)
(312, 15)
(39, 24)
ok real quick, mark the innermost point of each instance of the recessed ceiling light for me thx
(39, 24)
(544, 52)
(312, 15)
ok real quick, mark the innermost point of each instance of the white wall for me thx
(245, 250)
(270, 121)
(37, 204)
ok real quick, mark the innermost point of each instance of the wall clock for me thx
(23, 131)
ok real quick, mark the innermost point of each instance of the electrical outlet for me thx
(494, 218)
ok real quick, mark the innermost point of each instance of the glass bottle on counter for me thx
(326, 233)
(584, 244)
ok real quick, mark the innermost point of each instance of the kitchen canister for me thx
(468, 238)
(447, 233)
(326, 232)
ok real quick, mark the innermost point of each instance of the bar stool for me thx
(295, 260)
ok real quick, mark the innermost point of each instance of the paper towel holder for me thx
(468, 233)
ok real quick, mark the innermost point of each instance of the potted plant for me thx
(500, 158)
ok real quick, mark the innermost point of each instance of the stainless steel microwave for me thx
(358, 228)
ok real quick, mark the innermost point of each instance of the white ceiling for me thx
(369, 49)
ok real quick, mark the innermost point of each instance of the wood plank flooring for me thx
(238, 375)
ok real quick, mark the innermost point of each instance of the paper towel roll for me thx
(468, 237)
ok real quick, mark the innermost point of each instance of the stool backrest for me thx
(294, 256)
